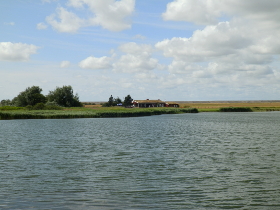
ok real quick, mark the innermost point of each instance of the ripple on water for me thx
(188, 161)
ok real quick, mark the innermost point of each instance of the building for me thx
(172, 105)
(149, 103)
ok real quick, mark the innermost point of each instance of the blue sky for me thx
(188, 50)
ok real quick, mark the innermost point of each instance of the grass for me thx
(215, 106)
(81, 112)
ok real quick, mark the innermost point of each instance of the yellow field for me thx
(93, 106)
(231, 104)
(213, 106)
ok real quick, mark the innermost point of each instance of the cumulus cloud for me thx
(41, 26)
(197, 11)
(240, 50)
(138, 58)
(65, 64)
(208, 11)
(109, 14)
(16, 51)
(96, 63)
(68, 21)
(213, 41)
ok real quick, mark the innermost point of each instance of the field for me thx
(256, 106)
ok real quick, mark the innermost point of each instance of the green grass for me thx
(89, 113)
(9, 108)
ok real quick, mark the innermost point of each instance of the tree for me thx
(31, 96)
(111, 101)
(127, 101)
(64, 96)
(117, 101)
(6, 102)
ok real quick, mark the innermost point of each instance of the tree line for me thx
(32, 96)
(118, 102)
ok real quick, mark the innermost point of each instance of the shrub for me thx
(53, 107)
(64, 96)
(235, 109)
(39, 106)
(105, 104)
(7, 108)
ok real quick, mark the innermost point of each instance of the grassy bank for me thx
(90, 113)
(96, 111)
(215, 106)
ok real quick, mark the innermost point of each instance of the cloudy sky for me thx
(187, 50)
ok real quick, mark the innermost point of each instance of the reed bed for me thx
(89, 113)
(235, 109)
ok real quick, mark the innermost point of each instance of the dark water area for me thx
(186, 161)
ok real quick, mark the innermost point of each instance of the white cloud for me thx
(139, 36)
(197, 11)
(138, 58)
(246, 46)
(182, 67)
(41, 26)
(16, 51)
(109, 14)
(68, 21)
(10, 23)
(213, 41)
(208, 11)
(96, 63)
(65, 64)
(240, 53)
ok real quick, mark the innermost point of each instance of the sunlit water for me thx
(187, 161)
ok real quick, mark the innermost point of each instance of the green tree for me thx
(127, 101)
(31, 96)
(111, 101)
(117, 101)
(6, 102)
(64, 96)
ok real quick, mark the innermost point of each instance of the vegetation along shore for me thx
(63, 104)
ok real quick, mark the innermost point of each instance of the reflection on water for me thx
(187, 161)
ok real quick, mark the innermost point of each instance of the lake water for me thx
(186, 161)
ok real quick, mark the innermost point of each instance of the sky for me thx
(173, 50)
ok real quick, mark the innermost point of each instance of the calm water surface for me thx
(187, 161)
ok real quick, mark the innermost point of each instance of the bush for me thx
(31, 96)
(39, 106)
(64, 96)
(52, 107)
(8, 108)
(105, 104)
(235, 109)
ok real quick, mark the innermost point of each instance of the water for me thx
(187, 161)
